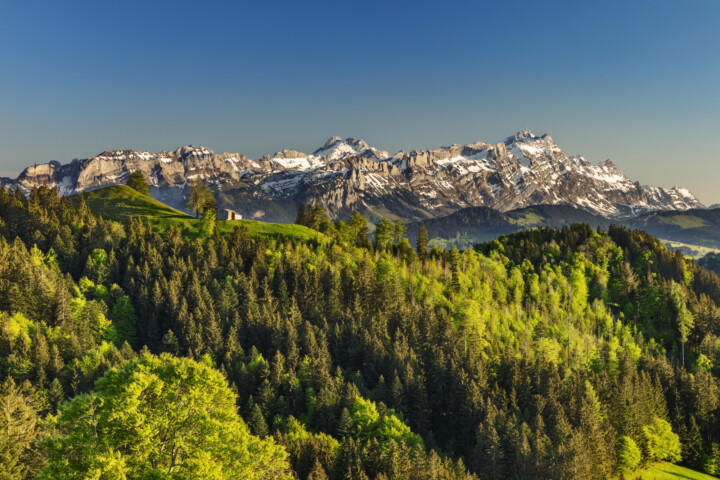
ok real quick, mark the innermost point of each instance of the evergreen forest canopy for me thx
(126, 353)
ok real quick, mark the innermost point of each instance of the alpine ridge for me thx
(345, 175)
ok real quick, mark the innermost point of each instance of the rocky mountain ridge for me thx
(347, 174)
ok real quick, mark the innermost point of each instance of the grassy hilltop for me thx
(121, 203)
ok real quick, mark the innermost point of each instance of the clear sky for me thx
(634, 81)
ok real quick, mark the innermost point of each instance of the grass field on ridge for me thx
(121, 203)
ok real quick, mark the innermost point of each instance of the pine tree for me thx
(692, 445)
(454, 268)
(170, 343)
(399, 231)
(316, 216)
(397, 394)
(685, 319)
(317, 472)
(345, 425)
(55, 395)
(301, 219)
(422, 242)
(258, 425)
(358, 224)
(383, 233)
(18, 431)
(488, 452)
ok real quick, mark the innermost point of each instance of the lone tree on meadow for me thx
(137, 182)
(201, 198)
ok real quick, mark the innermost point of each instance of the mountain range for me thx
(346, 175)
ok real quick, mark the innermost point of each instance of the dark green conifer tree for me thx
(137, 182)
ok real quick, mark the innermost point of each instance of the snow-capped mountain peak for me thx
(336, 148)
(192, 151)
(521, 136)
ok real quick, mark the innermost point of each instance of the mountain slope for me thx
(349, 175)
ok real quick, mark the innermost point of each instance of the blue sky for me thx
(637, 82)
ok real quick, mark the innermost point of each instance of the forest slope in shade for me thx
(571, 353)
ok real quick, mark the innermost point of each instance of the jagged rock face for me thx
(347, 175)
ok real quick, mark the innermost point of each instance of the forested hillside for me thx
(698, 229)
(471, 225)
(572, 353)
(710, 261)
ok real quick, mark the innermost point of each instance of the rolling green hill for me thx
(121, 203)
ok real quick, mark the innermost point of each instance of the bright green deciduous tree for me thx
(159, 417)
(661, 443)
(369, 424)
(200, 197)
